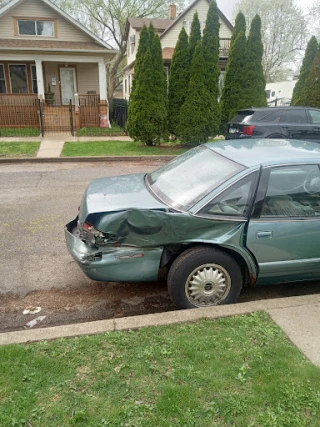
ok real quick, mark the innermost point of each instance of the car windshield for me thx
(188, 178)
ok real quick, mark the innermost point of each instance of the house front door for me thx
(68, 84)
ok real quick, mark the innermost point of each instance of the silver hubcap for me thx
(208, 285)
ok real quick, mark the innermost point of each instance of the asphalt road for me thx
(36, 201)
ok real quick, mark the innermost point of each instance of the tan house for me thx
(42, 46)
(169, 30)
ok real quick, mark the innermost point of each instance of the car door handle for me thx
(264, 234)
(285, 127)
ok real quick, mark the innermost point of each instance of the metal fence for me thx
(119, 111)
(25, 115)
(19, 115)
(56, 119)
(280, 102)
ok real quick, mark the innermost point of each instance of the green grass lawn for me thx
(18, 149)
(232, 372)
(117, 148)
(97, 131)
(19, 132)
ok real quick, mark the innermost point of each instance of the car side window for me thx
(315, 116)
(272, 116)
(235, 201)
(294, 116)
(293, 191)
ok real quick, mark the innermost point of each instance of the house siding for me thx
(50, 71)
(202, 7)
(87, 78)
(37, 9)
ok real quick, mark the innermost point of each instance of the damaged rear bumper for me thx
(113, 264)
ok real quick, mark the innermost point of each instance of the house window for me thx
(202, 27)
(18, 78)
(3, 88)
(36, 28)
(34, 79)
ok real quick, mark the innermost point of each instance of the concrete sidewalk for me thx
(299, 317)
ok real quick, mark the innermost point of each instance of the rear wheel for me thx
(204, 277)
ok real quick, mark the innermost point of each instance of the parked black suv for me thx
(276, 122)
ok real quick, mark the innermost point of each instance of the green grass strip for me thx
(18, 149)
(4, 132)
(117, 148)
(238, 371)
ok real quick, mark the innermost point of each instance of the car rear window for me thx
(242, 117)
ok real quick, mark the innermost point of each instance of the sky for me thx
(227, 6)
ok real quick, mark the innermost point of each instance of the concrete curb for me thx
(11, 160)
(168, 318)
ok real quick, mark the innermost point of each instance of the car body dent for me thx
(113, 263)
(152, 230)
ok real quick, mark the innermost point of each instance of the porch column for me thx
(103, 106)
(40, 80)
(102, 80)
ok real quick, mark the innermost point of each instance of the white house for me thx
(168, 30)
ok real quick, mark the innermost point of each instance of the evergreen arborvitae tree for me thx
(311, 89)
(234, 89)
(239, 25)
(142, 48)
(255, 81)
(195, 34)
(193, 124)
(148, 102)
(311, 51)
(159, 91)
(178, 81)
(210, 45)
(139, 124)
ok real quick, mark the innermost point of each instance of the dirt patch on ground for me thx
(112, 300)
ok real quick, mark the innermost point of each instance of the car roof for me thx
(288, 107)
(254, 152)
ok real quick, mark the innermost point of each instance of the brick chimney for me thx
(172, 11)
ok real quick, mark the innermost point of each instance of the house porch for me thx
(79, 85)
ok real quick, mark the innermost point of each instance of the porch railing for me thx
(224, 47)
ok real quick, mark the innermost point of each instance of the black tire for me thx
(219, 275)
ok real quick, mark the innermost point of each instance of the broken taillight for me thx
(86, 226)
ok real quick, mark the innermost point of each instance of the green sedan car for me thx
(219, 217)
